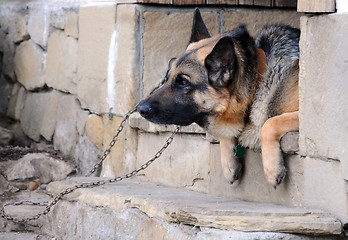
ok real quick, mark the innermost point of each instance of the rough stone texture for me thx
(33, 114)
(50, 116)
(29, 65)
(289, 143)
(114, 163)
(5, 94)
(127, 70)
(323, 111)
(41, 166)
(6, 136)
(323, 105)
(72, 25)
(2, 39)
(65, 134)
(160, 44)
(7, 58)
(138, 122)
(96, 25)
(13, 101)
(86, 155)
(16, 103)
(81, 121)
(122, 201)
(62, 62)
(256, 19)
(38, 26)
(24, 236)
(57, 18)
(18, 27)
(185, 163)
(94, 129)
(325, 187)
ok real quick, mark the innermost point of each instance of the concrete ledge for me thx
(197, 209)
(288, 143)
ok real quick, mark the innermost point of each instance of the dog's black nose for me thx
(145, 108)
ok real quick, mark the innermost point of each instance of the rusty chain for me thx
(68, 190)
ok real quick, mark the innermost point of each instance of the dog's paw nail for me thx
(275, 187)
(231, 182)
(278, 180)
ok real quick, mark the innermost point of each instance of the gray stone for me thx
(3, 184)
(6, 136)
(86, 155)
(72, 25)
(5, 94)
(289, 143)
(24, 236)
(57, 18)
(2, 40)
(33, 114)
(18, 27)
(12, 102)
(29, 65)
(50, 116)
(38, 27)
(323, 103)
(65, 134)
(41, 166)
(7, 58)
(138, 122)
(185, 163)
(81, 121)
(16, 103)
(96, 25)
(256, 19)
(61, 63)
(325, 188)
(179, 206)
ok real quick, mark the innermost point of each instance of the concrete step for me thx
(134, 210)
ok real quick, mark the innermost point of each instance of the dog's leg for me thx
(231, 166)
(271, 133)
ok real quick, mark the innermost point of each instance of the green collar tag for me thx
(239, 151)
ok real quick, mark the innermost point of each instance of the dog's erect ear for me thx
(199, 30)
(220, 63)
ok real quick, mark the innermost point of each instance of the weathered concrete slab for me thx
(200, 210)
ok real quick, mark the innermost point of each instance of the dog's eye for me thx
(182, 80)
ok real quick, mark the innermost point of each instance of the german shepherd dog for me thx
(239, 90)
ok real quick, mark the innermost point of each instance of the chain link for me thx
(68, 190)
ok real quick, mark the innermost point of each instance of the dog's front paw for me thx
(275, 176)
(233, 170)
(274, 169)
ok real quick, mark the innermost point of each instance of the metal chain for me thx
(85, 185)
(68, 190)
(112, 143)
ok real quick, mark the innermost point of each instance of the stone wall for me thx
(324, 112)
(69, 73)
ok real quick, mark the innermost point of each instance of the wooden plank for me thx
(263, 3)
(246, 2)
(285, 3)
(188, 2)
(224, 2)
(316, 6)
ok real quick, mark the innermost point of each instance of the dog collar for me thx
(239, 151)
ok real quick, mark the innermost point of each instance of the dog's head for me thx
(211, 78)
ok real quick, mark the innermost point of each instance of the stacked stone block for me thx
(324, 112)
